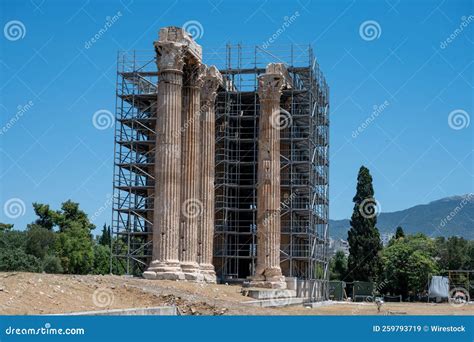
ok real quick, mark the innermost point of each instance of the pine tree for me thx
(364, 262)
(399, 233)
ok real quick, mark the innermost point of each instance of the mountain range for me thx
(445, 217)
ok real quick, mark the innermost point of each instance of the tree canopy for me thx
(57, 241)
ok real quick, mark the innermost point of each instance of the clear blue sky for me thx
(53, 152)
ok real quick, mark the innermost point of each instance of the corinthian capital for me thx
(271, 84)
(212, 79)
(270, 87)
(169, 56)
(194, 72)
(174, 44)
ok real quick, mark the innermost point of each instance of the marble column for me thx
(212, 80)
(268, 272)
(165, 263)
(191, 204)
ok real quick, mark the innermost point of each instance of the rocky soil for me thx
(35, 293)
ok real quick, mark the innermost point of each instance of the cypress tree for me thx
(399, 233)
(104, 238)
(364, 262)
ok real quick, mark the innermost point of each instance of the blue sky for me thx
(52, 152)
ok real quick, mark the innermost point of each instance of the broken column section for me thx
(268, 272)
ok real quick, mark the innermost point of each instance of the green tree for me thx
(119, 246)
(5, 227)
(104, 238)
(75, 249)
(17, 260)
(364, 261)
(471, 255)
(12, 239)
(52, 264)
(399, 233)
(338, 266)
(46, 217)
(101, 259)
(453, 253)
(422, 266)
(39, 241)
(40, 248)
(71, 214)
(408, 263)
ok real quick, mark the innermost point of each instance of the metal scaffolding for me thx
(304, 163)
(135, 136)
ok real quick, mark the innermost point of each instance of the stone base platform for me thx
(271, 281)
(156, 311)
(274, 303)
(265, 284)
(163, 275)
(265, 297)
(258, 293)
(164, 271)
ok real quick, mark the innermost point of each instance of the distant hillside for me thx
(425, 218)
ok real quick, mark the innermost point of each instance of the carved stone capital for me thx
(212, 78)
(271, 84)
(169, 56)
(179, 35)
(270, 87)
(194, 74)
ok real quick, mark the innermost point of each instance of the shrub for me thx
(101, 259)
(17, 260)
(12, 239)
(39, 241)
(52, 264)
(74, 248)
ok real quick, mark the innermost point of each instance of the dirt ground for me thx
(33, 293)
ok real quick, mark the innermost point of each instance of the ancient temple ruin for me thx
(221, 165)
